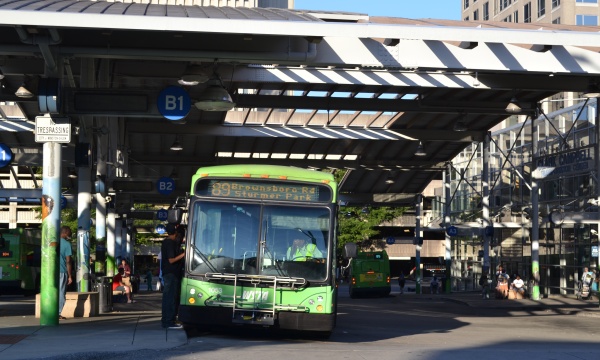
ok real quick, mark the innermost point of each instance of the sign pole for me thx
(49, 285)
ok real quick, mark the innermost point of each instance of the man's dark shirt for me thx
(169, 250)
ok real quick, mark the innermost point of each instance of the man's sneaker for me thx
(175, 326)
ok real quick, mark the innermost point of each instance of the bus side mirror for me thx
(349, 251)
(174, 215)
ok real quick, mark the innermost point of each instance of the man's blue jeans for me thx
(62, 291)
(169, 299)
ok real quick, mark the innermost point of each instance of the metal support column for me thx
(119, 241)
(49, 286)
(84, 188)
(418, 243)
(487, 224)
(448, 242)
(126, 241)
(597, 163)
(110, 243)
(84, 202)
(535, 227)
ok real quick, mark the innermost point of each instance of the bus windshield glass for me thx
(258, 239)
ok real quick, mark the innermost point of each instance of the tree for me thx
(359, 223)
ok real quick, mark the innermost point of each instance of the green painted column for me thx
(51, 187)
(111, 265)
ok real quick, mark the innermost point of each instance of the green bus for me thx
(244, 262)
(20, 261)
(368, 271)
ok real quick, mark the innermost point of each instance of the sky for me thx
(412, 9)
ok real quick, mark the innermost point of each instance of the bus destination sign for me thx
(263, 190)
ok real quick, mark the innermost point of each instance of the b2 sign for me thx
(165, 185)
(174, 103)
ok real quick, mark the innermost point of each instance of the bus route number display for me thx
(263, 191)
(6, 254)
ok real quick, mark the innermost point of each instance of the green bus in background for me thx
(260, 248)
(20, 261)
(368, 271)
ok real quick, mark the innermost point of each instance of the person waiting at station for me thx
(518, 285)
(119, 285)
(434, 285)
(301, 251)
(126, 272)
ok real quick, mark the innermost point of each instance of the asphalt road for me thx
(409, 327)
(398, 327)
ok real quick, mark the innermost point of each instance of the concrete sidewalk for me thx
(129, 327)
(568, 304)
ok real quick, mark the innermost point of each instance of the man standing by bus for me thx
(65, 278)
(171, 266)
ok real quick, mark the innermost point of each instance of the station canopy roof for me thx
(313, 89)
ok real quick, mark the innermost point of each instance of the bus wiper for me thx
(267, 251)
(309, 235)
(204, 258)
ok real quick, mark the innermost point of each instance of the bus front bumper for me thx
(223, 316)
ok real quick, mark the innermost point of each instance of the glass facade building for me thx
(564, 166)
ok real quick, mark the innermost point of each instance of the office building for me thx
(566, 148)
(566, 12)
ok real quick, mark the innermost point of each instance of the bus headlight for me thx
(191, 300)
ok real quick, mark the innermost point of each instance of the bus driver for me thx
(300, 251)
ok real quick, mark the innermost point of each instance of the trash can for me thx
(105, 294)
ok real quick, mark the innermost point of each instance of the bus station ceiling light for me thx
(176, 146)
(592, 92)
(22, 92)
(460, 126)
(420, 150)
(513, 106)
(215, 98)
(194, 75)
(72, 174)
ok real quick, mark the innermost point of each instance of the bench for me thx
(502, 291)
(515, 295)
(118, 296)
(77, 304)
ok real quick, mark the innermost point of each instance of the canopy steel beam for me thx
(306, 132)
(146, 160)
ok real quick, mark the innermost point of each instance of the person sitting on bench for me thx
(119, 285)
(518, 285)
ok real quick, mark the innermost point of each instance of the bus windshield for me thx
(258, 239)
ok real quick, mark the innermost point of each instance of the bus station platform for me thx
(128, 327)
(131, 327)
